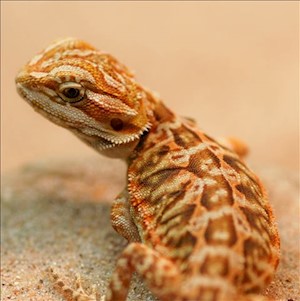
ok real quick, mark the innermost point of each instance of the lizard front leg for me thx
(160, 274)
(121, 219)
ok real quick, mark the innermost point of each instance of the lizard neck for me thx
(157, 111)
(158, 114)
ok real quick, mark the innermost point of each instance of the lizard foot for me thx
(70, 294)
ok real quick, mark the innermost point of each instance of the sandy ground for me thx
(56, 214)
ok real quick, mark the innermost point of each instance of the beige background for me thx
(233, 66)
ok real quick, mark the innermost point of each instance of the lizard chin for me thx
(106, 147)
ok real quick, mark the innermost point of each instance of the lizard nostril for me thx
(117, 124)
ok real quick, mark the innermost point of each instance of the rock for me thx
(57, 214)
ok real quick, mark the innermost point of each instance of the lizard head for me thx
(88, 92)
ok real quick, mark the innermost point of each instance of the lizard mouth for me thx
(104, 140)
(21, 91)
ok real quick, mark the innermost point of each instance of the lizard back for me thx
(196, 202)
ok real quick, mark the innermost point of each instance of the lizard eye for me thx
(71, 92)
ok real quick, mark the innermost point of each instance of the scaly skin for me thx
(197, 219)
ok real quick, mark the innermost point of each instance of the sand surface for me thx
(56, 214)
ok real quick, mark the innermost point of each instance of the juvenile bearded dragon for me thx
(197, 219)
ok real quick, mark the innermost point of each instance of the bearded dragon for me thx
(197, 219)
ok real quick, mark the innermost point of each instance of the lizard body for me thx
(197, 219)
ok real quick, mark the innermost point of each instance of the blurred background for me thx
(232, 66)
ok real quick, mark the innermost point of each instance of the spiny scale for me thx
(197, 219)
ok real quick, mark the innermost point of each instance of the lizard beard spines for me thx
(126, 138)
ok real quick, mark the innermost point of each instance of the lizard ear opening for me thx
(117, 124)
